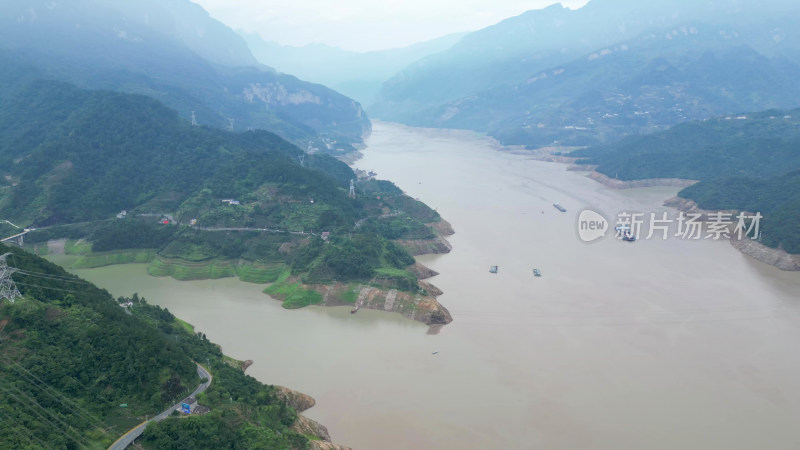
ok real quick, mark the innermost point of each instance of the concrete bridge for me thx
(18, 238)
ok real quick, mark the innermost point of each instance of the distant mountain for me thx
(746, 162)
(611, 68)
(355, 74)
(174, 52)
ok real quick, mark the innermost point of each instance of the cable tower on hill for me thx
(8, 290)
(194, 120)
(352, 193)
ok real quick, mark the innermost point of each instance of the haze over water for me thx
(655, 344)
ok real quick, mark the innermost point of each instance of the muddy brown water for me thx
(652, 345)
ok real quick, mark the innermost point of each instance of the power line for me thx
(67, 427)
(51, 391)
(51, 288)
(30, 437)
(44, 274)
(63, 399)
(54, 277)
(28, 402)
(66, 277)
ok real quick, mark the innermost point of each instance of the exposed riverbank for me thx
(773, 256)
(767, 255)
(403, 292)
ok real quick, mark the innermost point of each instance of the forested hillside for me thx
(75, 155)
(746, 162)
(175, 53)
(77, 370)
(71, 160)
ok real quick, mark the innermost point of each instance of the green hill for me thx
(747, 162)
(71, 356)
(72, 159)
(80, 155)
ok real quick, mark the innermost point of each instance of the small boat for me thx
(537, 272)
(624, 232)
(493, 269)
(434, 353)
(355, 309)
(559, 207)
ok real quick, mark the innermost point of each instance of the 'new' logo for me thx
(591, 225)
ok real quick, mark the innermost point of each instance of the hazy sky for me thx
(366, 24)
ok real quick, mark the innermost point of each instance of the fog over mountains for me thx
(611, 68)
(174, 52)
(355, 74)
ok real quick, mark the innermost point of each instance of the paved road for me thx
(128, 438)
(268, 230)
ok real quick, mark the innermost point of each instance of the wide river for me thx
(659, 344)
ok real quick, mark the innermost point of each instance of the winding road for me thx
(267, 230)
(128, 438)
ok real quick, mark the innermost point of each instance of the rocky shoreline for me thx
(380, 294)
(767, 255)
(436, 246)
(651, 182)
(303, 425)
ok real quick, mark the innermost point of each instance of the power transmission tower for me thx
(352, 193)
(302, 159)
(7, 287)
(230, 124)
(194, 120)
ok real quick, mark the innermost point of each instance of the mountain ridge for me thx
(152, 48)
(534, 93)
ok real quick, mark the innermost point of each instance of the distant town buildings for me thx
(122, 214)
(231, 201)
